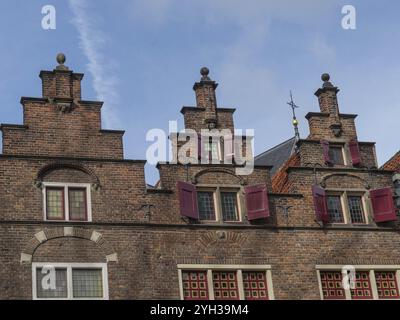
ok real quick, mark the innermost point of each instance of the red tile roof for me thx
(393, 163)
(280, 182)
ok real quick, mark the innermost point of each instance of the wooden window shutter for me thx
(355, 152)
(325, 148)
(321, 209)
(188, 200)
(257, 202)
(383, 205)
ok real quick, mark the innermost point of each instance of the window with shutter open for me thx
(383, 205)
(355, 152)
(257, 202)
(325, 148)
(321, 210)
(188, 200)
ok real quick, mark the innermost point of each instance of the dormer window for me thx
(336, 155)
(346, 207)
(333, 153)
(218, 205)
(66, 201)
(212, 149)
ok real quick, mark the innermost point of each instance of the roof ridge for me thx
(275, 147)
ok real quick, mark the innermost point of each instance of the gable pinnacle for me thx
(61, 60)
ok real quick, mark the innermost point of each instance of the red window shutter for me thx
(229, 148)
(321, 210)
(355, 152)
(257, 202)
(188, 200)
(383, 205)
(325, 148)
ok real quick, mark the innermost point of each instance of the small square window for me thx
(336, 155)
(43, 288)
(87, 283)
(331, 283)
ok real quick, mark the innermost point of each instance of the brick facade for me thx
(61, 141)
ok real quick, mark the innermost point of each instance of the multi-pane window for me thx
(55, 203)
(218, 205)
(211, 149)
(362, 288)
(206, 205)
(255, 285)
(43, 287)
(77, 203)
(356, 209)
(229, 206)
(87, 283)
(67, 202)
(335, 209)
(346, 207)
(69, 281)
(225, 282)
(336, 155)
(225, 285)
(195, 286)
(331, 285)
(371, 282)
(386, 284)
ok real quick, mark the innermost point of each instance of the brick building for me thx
(394, 165)
(72, 208)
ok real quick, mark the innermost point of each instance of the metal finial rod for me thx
(295, 122)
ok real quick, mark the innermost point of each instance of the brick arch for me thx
(66, 165)
(196, 177)
(348, 175)
(217, 238)
(46, 235)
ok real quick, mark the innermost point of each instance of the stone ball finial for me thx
(61, 58)
(325, 77)
(204, 71)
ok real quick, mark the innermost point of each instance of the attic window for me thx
(336, 155)
(66, 201)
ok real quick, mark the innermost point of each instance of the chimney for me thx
(328, 103)
(205, 96)
(61, 83)
(327, 96)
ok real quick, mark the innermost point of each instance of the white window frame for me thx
(70, 267)
(218, 204)
(344, 194)
(370, 268)
(87, 186)
(227, 267)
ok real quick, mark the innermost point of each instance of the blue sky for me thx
(142, 57)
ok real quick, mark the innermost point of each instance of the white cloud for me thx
(91, 41)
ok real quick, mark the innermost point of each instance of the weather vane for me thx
(295, 122)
